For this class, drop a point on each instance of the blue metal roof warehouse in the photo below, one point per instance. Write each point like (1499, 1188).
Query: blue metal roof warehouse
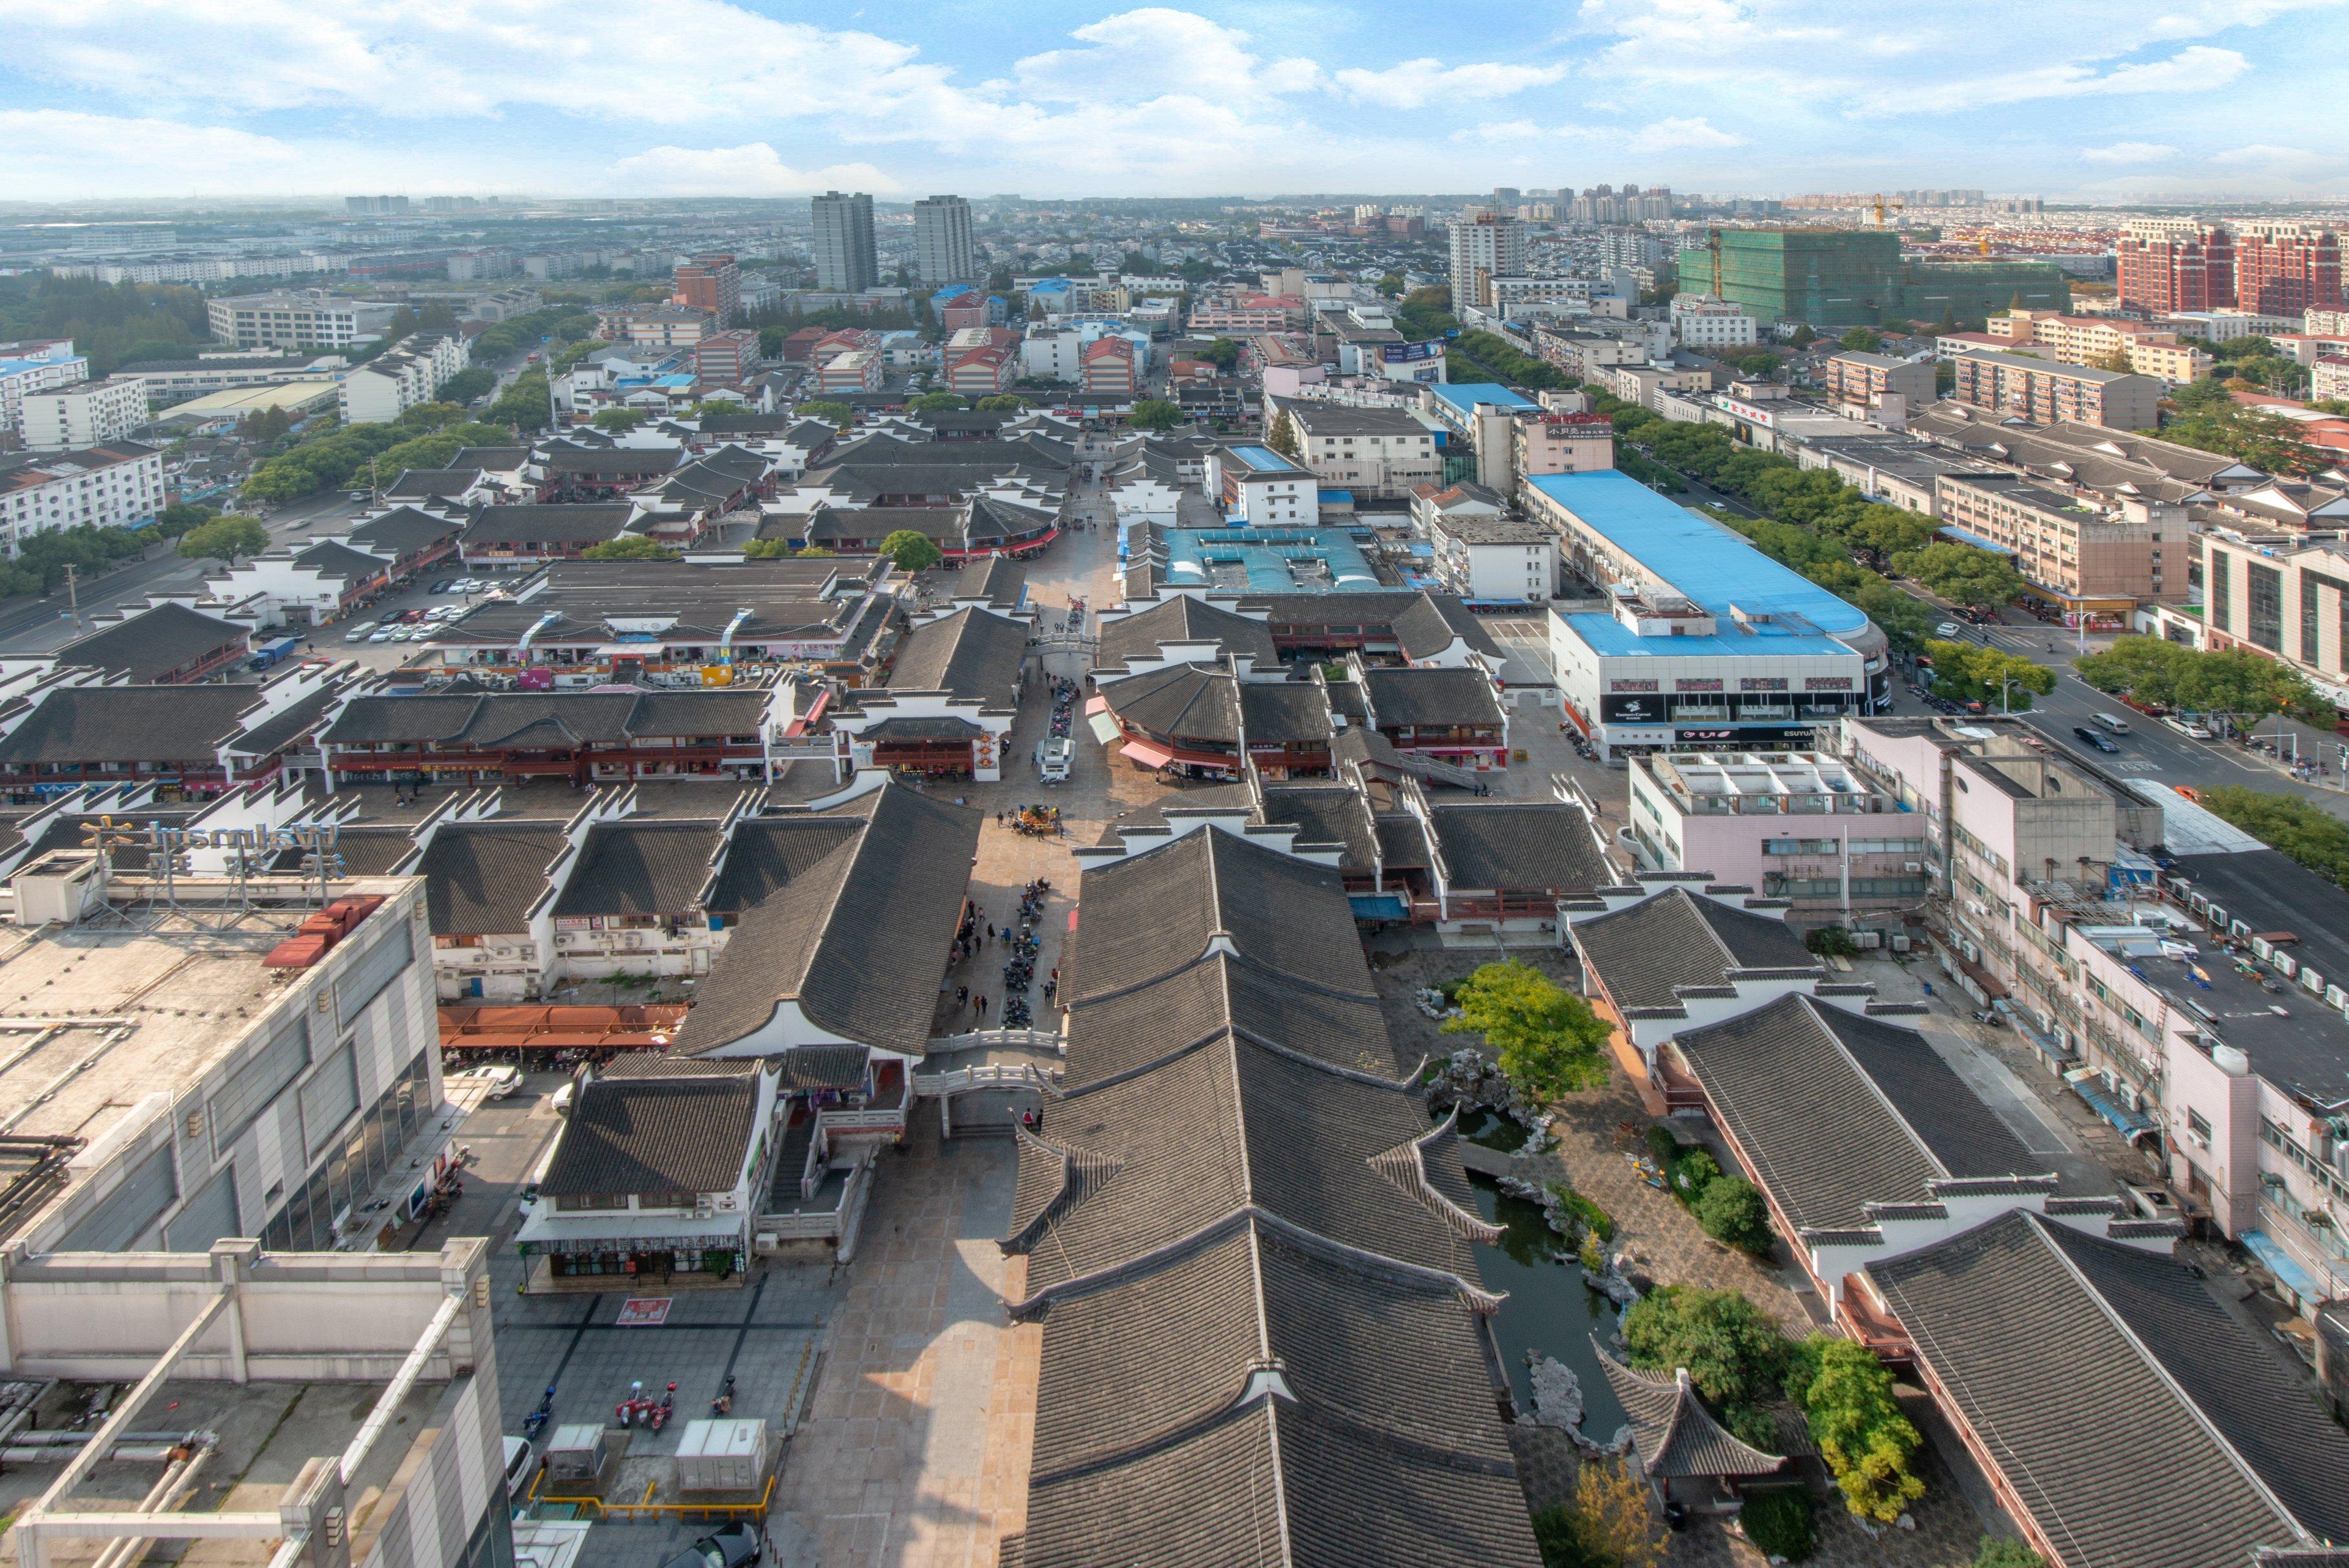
(1704, 562)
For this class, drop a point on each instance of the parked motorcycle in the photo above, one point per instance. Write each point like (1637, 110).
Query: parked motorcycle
(535, 1422)
(632, 1409)
(660, 1412)
(724, 1404)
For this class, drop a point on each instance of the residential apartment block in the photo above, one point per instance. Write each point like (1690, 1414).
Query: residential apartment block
(1378, 453)
(38, 364)
(1488, 558)
(844, 258)
(1700, 321)
(654, 326)
(1862, 381)
(2046, 391)
(2286, 268)
(2176, 264)
(400, 377)
(119, 486)
(711, 283)
(726, 358)
(308, 318)
(2078, 554)
(2095, 339)
(1484, 248)
(1112, 367)
(944, 251)
(83, 414)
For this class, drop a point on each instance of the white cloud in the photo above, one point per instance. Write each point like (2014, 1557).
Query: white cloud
(2195, 21)
(65, 154)
(2198, 68)
(754, 169)
(1666, 135)
(2268, 154)
(1506, 131)
(2129, 152)
(1414, 84)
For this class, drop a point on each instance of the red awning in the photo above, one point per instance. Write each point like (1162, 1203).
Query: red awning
(1148, 755)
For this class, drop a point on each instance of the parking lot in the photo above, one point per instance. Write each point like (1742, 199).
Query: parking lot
(379, 639)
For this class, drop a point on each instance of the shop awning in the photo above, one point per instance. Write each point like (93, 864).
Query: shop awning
(2131, 1125)
(1148, 755)
(1104, 726)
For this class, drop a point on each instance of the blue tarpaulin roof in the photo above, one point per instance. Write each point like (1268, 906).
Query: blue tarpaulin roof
(1377, 906)
(2282, 1265)
(1966, 537)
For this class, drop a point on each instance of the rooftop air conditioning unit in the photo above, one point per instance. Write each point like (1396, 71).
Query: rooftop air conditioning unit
(1913, 868)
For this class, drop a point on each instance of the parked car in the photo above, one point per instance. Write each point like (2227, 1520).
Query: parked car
(2192, 728)
(2092, 739)
(442, 586)
(381, 634)
(519, 1463)
(359, 634)
(498, 1080)
(728, 1546)
(1949, 630)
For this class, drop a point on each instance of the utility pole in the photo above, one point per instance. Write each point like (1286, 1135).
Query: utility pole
(73, 595)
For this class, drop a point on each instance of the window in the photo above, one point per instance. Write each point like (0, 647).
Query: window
(123, 1216)
(329, 1098)
(2263, 591)
(2218, 594)
(2198, 1124)
(261, 1078)
(210, 1215)
(2308, 620)
(375, 969)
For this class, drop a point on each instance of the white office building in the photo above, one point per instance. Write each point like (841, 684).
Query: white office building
(309, 319)
(943, 248)
(87, 413)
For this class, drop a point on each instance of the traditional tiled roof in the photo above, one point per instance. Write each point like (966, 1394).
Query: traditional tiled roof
(491, 720)
(640, 868)
(1262, 1333)
(482, 878)
(1186, 701)
(1836, 1111)
(1672, 1431)
(2138, 1422)
(1520, 846)
(848, 910)
(127, 724)
(1185, 619)
(972, 653)
(664, 1133)
(1641, 953)
(152, 643)
(1431, 697)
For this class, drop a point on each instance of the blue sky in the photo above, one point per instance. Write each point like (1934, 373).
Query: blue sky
(2084, 97)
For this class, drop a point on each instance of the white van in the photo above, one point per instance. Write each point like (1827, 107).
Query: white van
(2111, 725)
(1054, 758)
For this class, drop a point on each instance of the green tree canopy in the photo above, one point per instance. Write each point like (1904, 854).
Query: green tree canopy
(1545, 1038)
(1802, 336)
(1731, 1209)
(1962, 575)
(468, 384)
(2306, 832)
(617, 420)
(523, 403)
(1976, 672)
(1855, 1420)
(627, 547)
(936, 403)
(1733, 1349)
(182, 515)
(1222, 353)
(1155, 414)
(2005, 1552)
(829, 412)
(1001, 402)
(224, 539)
(1861, 340)
(911, 551)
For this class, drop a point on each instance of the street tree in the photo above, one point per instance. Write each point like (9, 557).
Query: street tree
(1962, 575)
(1976, 672)
(617, 422)
(829, 412)
(1155, 414)
(224, 539)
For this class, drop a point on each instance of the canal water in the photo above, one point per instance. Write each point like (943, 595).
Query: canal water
(1547, 1309)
